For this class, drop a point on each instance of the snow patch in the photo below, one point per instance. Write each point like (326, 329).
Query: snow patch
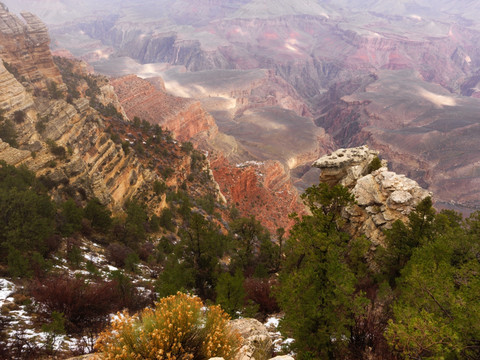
(250, 163)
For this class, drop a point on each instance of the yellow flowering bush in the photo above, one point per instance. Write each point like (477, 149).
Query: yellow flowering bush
(179, 327)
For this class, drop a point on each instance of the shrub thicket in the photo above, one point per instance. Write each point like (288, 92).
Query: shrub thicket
(178, 328)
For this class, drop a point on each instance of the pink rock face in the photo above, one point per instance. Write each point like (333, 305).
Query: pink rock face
(184, 117)
(262, 189)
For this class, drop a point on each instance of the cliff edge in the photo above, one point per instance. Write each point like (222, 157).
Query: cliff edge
(382, 196)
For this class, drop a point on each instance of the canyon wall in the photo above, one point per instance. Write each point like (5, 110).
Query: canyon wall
(25, 47)
(185, 118)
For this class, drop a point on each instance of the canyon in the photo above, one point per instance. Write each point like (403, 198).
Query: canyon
(291, 82)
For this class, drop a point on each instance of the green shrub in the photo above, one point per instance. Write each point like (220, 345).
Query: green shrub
(159, 187)
(375, 164)
(178, 328)
(19, 116)
(8, 133)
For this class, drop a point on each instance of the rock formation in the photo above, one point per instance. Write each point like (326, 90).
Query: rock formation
(257, 343)
(382, 197)
(262, 189)
(185, 118)
(13, 96)
(25, 47)
(67, 143)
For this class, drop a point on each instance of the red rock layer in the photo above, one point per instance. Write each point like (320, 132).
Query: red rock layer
(184, 117)
(260, 189)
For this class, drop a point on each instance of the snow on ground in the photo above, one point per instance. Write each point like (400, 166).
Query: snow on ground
(6, 289)
(280, 344)
(250, 163)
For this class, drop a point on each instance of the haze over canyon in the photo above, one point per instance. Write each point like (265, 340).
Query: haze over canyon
(289, 81)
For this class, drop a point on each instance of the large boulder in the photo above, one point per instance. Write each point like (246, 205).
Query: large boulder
(382, 196)
(257, 344)
(345, 166)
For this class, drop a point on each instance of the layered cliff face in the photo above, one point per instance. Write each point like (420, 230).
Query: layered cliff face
(77, 151)
(185, 118)
(382, 196)
(25, 47)
(13, 96)
(262, 189)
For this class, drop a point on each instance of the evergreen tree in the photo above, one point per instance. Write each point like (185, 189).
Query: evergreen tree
(317, 288)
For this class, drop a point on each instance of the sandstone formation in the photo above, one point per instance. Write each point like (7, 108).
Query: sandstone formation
(13, 95)
(257, 343)
(185, 118)
(67, 144)
(25, 47)
(382, 197)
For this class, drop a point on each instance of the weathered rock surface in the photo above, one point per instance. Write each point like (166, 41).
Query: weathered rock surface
(262, 189)
(257, 343)
(13, 95)
(25, 46)
(184, 117)
(345, 166)
(382, 197)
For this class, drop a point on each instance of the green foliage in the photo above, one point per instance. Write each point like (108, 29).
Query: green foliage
(19, 116)
(26, 215)
(201, 246)
(53, 329)
(375, 164)
(207, 203)
(317, 288)
(159, 187)
(187, 147)
(131, 262)
(126, 147)
(18, 264)
(230, 292)
(167, 172)
(166, 219)
(197, 161)
(99, 216)
(71, 218)
(136, 220)
(53, 90)
(56, 150)
(175, 277)
(74, 256)
(8, 133)
(403, 239)
(253, 249)
(136, 122)
(439, 303)
(40, 125)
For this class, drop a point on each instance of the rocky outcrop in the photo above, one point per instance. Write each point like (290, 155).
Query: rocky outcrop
(257, 343)
(25, 47)
(382, 197)
(345, 166)
(424, 131)
(13, 95)
(185, 118)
